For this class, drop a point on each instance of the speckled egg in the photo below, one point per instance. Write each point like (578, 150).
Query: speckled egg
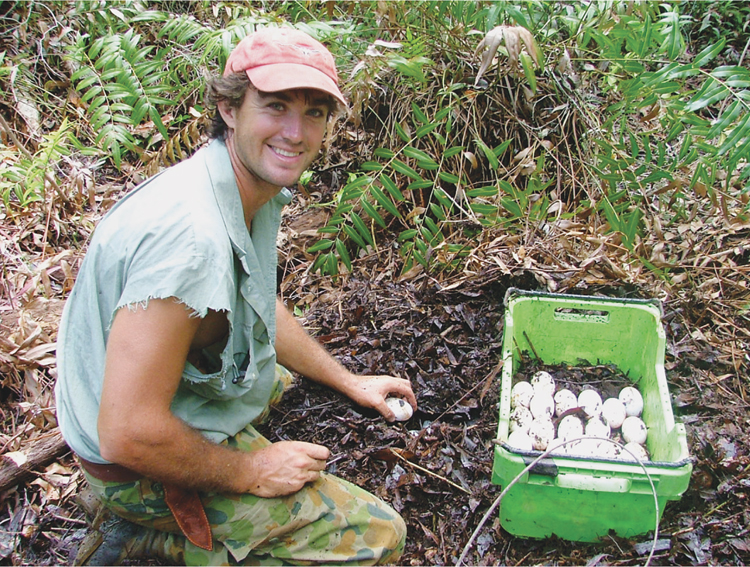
(542, 405)
(542, 382)
(520, 394)
(595, 427)
(564, 400)
(634, 430)
(542, 432)
(520, 441)
(632, 400)
(520, 419)
(613, 412)
(569, 427)
(591, 403)
(632, 449)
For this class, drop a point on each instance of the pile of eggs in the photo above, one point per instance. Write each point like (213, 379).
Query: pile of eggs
(534, 404)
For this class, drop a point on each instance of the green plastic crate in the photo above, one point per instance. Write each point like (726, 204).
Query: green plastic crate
(582, 499)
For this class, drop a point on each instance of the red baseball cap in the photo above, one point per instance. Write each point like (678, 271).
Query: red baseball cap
(278, 59)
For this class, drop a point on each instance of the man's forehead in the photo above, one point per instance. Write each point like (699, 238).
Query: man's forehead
(310, 96)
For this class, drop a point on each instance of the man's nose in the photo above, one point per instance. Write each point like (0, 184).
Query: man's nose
(293, 127)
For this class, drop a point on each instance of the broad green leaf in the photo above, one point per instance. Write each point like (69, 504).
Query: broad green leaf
(450, 152)
(528, 70)
(449, 177)
(343, 254)
(418, 154)
(404, 169)
(392, 188)
(407, 234)
(320, 245)
(352, 233)
(422, 131)
(739, 132)
(709, 53)
(384, 200)
(730, 114)
(712, 91)
(384, 153)
(489, 191)
(371, 166)
(372, 212)
(491, 157)
(361, 227)
(420, 116)
(401, 132)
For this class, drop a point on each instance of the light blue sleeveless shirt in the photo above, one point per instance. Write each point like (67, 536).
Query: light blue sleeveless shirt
(181, 234)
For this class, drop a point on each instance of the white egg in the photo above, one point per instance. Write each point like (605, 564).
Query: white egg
(632, 400)
(634, 430)
(608, 450)
(520, 419)
(557, 447)
(613, 412)
(564, 401)
(543, 382)
(634, 449)
(591, 403)
(520, 394)
(542, 432)
(595, 427)
(542, 404)
(584, 448)
(570, 427)
(400, 408)
(520, 440)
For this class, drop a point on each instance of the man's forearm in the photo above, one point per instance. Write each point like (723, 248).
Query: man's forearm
(298, 351)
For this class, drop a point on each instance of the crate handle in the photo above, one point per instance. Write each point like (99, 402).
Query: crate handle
(587, 482)
(581, 315)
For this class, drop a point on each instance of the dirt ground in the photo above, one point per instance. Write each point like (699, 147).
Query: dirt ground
(435, 469)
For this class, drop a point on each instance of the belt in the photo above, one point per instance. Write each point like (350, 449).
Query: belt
(184, 503)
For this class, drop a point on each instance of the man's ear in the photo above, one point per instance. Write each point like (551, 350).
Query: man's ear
(228, 113)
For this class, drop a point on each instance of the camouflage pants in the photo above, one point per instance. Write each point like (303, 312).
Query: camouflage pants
(330, 521)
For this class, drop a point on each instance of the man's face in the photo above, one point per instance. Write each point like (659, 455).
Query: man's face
(278, 135)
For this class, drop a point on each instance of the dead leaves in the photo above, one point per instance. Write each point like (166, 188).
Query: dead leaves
(514, 38)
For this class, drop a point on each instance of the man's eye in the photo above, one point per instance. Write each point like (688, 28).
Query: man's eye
(316, 112)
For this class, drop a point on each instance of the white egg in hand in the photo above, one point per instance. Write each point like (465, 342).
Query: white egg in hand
(400, 408)
(634, 430)
(632, 400)
(520, 394)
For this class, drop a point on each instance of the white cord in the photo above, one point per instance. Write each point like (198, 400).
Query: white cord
(539, 458)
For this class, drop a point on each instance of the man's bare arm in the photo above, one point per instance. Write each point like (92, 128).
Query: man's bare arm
(146, 354)
(298, 351)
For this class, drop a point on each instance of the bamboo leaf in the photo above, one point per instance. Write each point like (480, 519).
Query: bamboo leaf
(528, 70)
(420, 116)
(343, 254)
(392, 188)
(422, 131)
(352, 233)
(404, 169)
(491, 157)
(361, 227)
(320, 245)
(384, 201)
(709, 53)
(372, 212)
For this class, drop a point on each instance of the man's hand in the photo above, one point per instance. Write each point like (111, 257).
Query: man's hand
(371, 392)
(285, 467)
